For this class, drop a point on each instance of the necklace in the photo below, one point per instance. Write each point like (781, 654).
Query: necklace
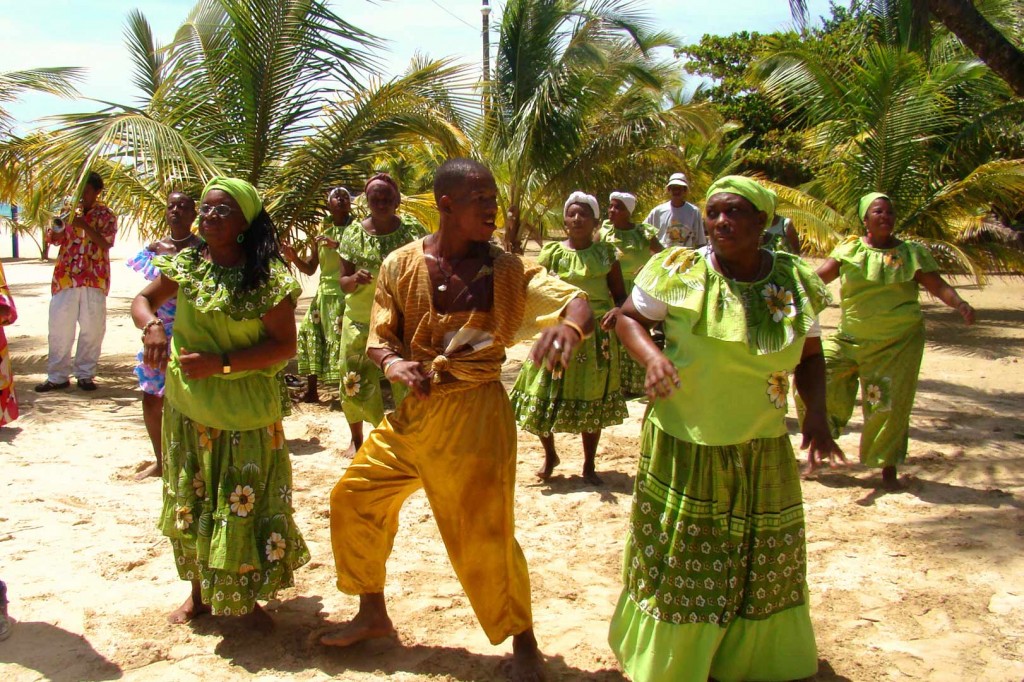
(443, 286)
(190, 237)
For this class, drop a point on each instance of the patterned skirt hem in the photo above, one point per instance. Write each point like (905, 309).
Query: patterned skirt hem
(543, 417)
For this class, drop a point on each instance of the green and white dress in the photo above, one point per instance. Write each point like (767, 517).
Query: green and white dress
(633, 250)
(227, 481)
(586, 397)
(715, 564)
(879, 345)
(361, 398)
(319, 337)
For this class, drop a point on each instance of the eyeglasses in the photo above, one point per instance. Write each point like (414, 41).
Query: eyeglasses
(220, 210)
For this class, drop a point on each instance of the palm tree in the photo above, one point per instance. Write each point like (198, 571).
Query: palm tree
(964, 19)
(273, 91)
(889, 121)
(576, 101)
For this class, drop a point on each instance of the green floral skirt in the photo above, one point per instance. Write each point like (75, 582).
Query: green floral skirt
(361, 396)
(227, 509)
(584, 398)
(715, 564)
(319, 338)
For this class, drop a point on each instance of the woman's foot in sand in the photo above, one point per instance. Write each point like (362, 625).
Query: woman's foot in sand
(154, 470)
(548, 468)
(310, 397)
(352, 449)
(591, 477)
(192, 608)
(372, 622)
(890, 479)
(258, 619)
(527, 663)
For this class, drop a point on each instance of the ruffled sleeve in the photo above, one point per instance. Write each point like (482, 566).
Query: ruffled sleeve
(546, 298)
(649, 231)
(768, 316)
(142, 263)
(885, 266)
(211, 287)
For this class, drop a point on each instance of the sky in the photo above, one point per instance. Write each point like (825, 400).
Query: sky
(88, 33)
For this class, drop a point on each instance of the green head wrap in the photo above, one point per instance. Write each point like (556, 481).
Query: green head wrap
(241, 191)
(865, 201)
(760, 196)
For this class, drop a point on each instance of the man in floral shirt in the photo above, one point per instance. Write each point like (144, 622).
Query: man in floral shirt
(81, 282)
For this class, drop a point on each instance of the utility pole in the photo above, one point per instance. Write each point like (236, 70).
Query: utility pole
(486, 34)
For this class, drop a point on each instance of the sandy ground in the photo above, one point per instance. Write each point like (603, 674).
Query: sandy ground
(927, 584)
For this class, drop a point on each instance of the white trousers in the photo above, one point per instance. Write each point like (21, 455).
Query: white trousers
(86, 308)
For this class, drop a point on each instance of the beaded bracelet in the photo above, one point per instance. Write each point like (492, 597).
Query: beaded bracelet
(152, 323)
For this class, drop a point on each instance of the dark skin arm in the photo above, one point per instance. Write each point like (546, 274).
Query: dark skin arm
(633, 330)
(279, 345)
(792, 238)
(306, 267)
(656, 246)
(829, 270)
(810, 384)
(352, 279)
(617, 287)
(944, 291)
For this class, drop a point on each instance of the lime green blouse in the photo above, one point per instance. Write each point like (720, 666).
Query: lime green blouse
(878, 289)
(214, 317)
(733, 344)
(367, 251)
(585, 269)
(330, 261)
(632, 247)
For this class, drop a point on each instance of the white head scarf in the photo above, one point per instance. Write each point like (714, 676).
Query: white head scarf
(627, 199)
(578, 197)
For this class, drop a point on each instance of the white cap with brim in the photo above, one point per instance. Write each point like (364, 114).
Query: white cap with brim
(678, 179)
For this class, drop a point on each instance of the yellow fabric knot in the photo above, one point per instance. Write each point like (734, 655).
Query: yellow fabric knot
(439, 365)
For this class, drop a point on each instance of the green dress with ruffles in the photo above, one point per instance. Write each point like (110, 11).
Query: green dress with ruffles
(878, 345)
(586, 396)
(319, 336)
(227, 479)
(361, 397)
(633, 250)
(715, 563)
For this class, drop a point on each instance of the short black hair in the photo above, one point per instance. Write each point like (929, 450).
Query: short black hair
(95, 181)
(183, 194)
(455, 171)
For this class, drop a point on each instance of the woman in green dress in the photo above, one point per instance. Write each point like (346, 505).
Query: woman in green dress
(781, 235)
(715, 565)
(227, 479)
(880, 340)
(319, 339)
(634, 244)
(362, 250)
(585, 397)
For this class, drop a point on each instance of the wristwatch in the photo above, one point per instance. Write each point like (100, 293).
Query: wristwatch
(225, 363)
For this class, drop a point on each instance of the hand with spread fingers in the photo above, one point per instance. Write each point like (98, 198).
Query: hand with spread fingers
(662, 378)
(820, 445)
(555, 346)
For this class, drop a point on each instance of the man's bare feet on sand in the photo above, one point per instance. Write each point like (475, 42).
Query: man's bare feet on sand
(544, 473)
(527, 665)
(361, 628)
(154, 470)
(351, 450)
(310, 397)
(187, 611)
(591, 477)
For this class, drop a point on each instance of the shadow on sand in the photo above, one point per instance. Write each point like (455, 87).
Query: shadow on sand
(55, 654)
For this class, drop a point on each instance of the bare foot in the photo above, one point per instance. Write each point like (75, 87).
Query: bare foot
(155, 470)
(259, 620)
(187, 612)
(544, 473)
(527, 664)
(361, 628)
(310, 397)
(890, 480)
(352, 449)
(592, 478)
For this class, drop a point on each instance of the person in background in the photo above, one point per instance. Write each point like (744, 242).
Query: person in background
(678, 222)
(319, 337)
(634, 244)
(879, 343)
(8, 315)
(180, 215)
(81, 282)
(5, 621)
(781, 235)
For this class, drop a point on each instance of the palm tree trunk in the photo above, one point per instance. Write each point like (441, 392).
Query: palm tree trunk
(981, 37)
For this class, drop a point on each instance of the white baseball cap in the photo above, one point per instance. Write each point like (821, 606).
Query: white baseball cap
(678, 179)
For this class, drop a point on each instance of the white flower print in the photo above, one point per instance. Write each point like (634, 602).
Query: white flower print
(351, 383)
(242, 500)
(779, 301)
(873, 394)
(275, 547)
(778, 389)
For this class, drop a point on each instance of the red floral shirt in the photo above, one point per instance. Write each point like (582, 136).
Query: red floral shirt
(80, 262)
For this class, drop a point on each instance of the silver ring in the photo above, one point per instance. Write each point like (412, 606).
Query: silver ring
(556, 344)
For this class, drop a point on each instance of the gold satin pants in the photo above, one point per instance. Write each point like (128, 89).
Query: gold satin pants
(460, 447)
